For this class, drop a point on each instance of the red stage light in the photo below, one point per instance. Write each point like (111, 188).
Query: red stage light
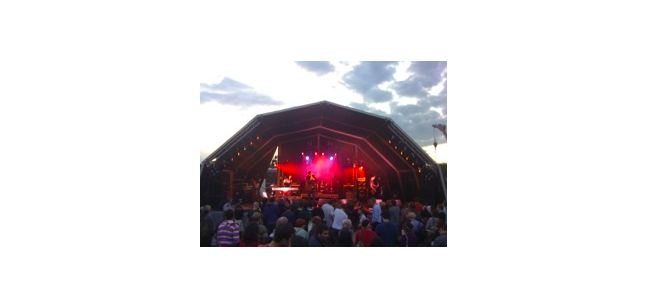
(302, 153)
(331, 158)
(315, 153)
(323, 154)
(361, 168)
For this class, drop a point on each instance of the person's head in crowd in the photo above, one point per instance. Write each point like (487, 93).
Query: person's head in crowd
(323, 233)
(411, 216)
(440, 207)
(283, 235)
(251, 234)
(239, 213)
(425, 213)
(385, 215)
(256, 218)
(443, 228)
(408, 227)
(256, 206)
(365, 224)
(282, 221)
(434, 212)
(301, 223)
(344, 239)
(316, 220)
(229, 214)
(347, 224)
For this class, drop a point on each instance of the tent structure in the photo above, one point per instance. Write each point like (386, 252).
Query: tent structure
(356, 139)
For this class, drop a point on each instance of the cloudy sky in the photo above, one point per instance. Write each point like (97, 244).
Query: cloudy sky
(413, 94)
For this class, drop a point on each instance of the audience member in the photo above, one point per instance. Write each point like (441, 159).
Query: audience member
(301, 238)
(263, 232)
(283, 235)
(395, 212)
(328, 211)
(339, 217)
(365, 235)
(442, 239)
(345, 237)
(250, 237)
(321, 239)
(271, 214)
(315, 221)
(376, 214)
(228, 232)
(387, 231)
(408, 236)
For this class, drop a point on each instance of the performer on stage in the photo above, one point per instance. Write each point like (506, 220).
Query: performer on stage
(310, 182)
(287, 181)
(375, 187)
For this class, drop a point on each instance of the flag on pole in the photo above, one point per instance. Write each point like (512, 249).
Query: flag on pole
(443, 128)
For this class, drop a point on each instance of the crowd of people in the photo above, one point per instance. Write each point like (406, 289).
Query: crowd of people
(325, 223)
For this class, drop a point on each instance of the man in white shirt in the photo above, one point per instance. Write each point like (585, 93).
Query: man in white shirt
(328, 211)
(337, 225)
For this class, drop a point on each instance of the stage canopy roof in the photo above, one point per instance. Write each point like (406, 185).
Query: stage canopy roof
(377, 141)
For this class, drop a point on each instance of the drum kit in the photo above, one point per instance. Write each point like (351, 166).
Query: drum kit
(323, 187)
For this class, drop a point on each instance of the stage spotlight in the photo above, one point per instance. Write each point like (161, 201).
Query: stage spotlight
(331, 158)
(315, 153)
(307, 157)
(302, 153)
(361, 168)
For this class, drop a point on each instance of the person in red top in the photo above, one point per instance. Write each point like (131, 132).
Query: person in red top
(418, 207)
(365, 235)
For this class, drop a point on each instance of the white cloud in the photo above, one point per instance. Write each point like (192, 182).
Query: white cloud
(402, 71)
(406, 100)
(292, 85)
(441, 155)
(383, 106)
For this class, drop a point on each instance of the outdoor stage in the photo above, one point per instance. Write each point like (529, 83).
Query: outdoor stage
(343, 148)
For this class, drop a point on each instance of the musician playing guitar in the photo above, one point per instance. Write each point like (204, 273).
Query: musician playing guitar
(375, 187)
